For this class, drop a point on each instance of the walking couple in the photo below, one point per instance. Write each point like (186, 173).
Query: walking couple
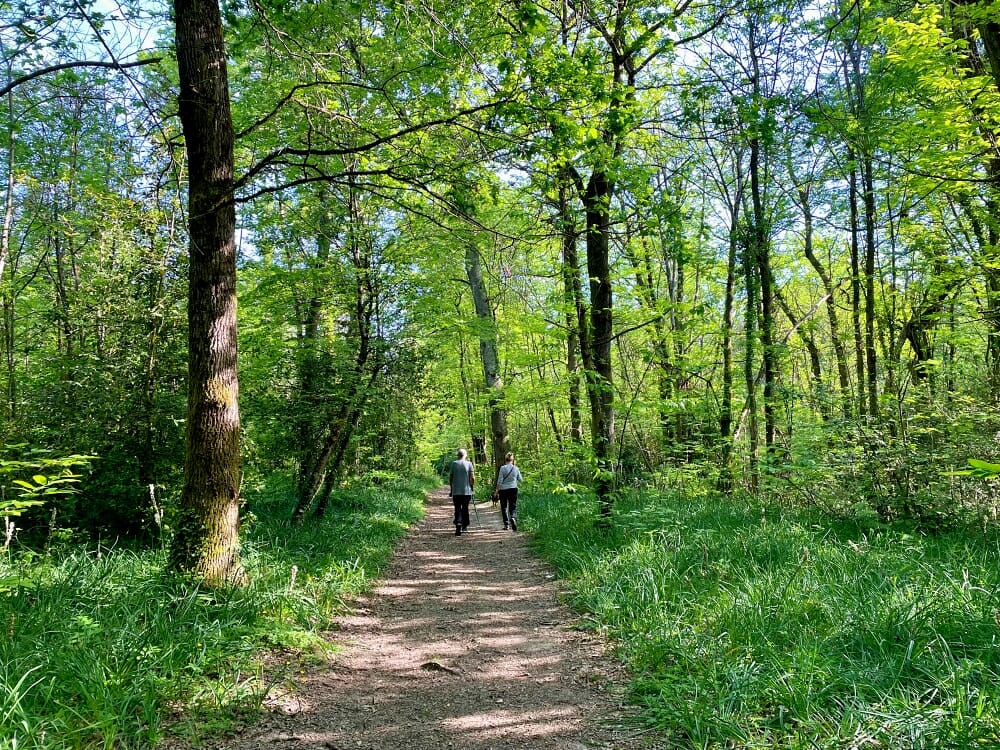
(462, 483)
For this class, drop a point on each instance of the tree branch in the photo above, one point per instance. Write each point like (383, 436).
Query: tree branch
(275, 156)
(76, 64)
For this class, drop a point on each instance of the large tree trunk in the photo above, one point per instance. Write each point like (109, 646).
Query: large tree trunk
(855, 230)
(500, 441)
(597, 202)
(762, 256)
(207, 540)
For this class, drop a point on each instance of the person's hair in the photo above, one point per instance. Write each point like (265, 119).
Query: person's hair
(509, 457)
(462, 453)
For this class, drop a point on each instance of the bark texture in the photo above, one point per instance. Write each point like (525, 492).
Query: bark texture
(597, 201)
(207, 540)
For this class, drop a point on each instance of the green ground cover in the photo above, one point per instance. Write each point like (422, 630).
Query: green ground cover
(101, 649)
(748, 628)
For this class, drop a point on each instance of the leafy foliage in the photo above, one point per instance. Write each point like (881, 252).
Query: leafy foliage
(35, 489)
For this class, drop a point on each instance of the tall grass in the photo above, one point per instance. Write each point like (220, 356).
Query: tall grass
(755, 629)
(100, 648)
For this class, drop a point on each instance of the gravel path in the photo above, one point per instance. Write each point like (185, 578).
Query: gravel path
(463, 646)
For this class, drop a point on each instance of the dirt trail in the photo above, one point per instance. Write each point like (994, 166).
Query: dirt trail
(463, 646)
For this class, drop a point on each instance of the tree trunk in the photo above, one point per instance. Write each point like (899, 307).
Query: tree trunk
(870, 355)
(146, 457)
(984, 58)
(843, 376)
(336, 450)
(478, 454)
(762, 257)
(597, 207)
(499, 439)
(207, 540)
(992, 317)
(749, 373)
(311, 357)
(645, 285)
(678, 382)
(868, 379)
(815, 361)
(573, 298)
(9, 337)
(855, 230)
(7, 291)
(726, 405)
(339, 429)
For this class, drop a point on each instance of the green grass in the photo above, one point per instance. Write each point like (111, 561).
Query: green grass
(104, 650)
(747, 629)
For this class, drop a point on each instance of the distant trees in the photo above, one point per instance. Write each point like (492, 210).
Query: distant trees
(767, 260)
(88, 275)
(589, 100)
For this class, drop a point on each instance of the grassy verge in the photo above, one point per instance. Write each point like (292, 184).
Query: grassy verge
(100, 649)
(754, 629)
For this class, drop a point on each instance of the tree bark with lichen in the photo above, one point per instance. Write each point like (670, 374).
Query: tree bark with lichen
(206, 543)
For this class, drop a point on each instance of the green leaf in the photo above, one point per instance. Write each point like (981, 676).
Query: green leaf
(981, 469)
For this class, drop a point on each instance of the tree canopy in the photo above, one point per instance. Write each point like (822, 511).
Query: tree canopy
(752, 244)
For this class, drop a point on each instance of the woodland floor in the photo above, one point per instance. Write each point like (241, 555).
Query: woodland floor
(464, 645)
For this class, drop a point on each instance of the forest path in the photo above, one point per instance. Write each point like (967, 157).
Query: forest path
(464, 645)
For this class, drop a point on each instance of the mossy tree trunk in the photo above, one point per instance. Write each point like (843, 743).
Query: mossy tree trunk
(207, 539)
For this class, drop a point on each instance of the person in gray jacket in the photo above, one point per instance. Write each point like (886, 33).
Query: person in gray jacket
(508, 477)
(461, 483)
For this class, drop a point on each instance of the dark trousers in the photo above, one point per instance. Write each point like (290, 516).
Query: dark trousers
(508, 505)
(461, 503)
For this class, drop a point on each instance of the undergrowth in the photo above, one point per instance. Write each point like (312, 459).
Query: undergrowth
(101, 649)
(746, 627)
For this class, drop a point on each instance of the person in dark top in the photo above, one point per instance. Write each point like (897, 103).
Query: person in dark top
(462, 483)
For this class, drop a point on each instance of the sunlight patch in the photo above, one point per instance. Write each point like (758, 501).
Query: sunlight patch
(553, 721)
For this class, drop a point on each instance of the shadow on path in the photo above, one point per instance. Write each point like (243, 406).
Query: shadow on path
(464, 645)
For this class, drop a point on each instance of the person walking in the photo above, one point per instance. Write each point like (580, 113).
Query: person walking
(461, 483)
(508, 477)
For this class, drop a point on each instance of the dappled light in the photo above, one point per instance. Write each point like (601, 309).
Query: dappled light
(722, 278)
(463, 645)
